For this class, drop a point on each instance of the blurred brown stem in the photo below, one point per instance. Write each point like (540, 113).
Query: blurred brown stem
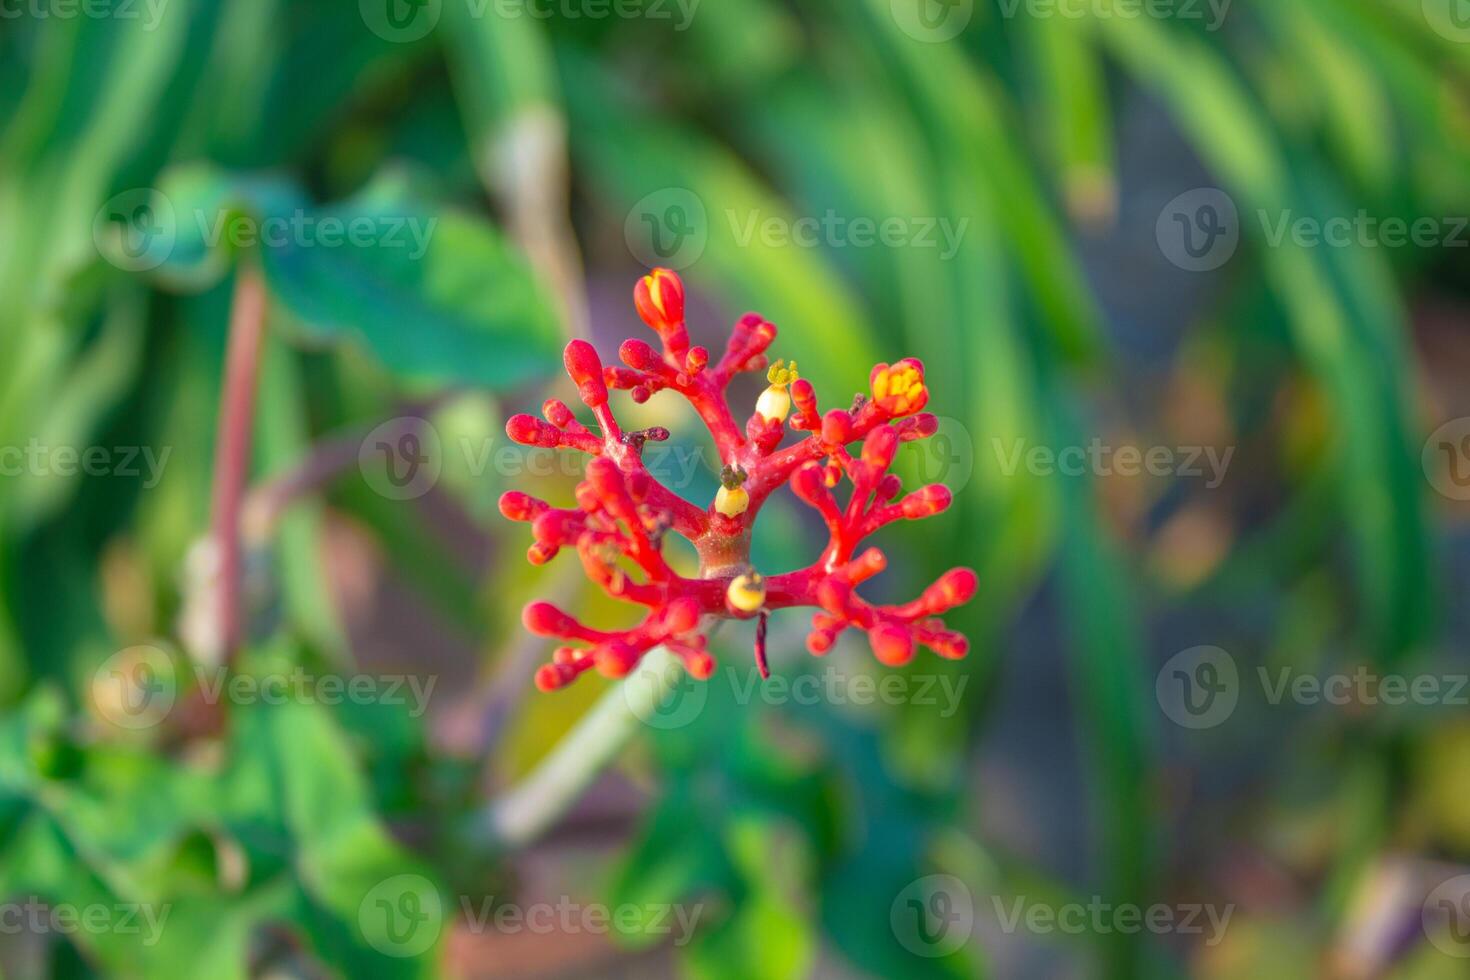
(232, 446)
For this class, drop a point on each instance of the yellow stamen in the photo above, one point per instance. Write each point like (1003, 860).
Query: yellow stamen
(774, 403)
(746, 593)
(732, 501)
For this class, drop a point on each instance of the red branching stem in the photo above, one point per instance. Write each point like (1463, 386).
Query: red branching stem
(232, 447)
(622, 511)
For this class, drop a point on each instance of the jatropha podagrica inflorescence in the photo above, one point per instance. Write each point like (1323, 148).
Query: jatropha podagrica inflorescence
(622, 512)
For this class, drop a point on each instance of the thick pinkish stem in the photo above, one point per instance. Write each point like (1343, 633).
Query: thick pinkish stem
(232, 446)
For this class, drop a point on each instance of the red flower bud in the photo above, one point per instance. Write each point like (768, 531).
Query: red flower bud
(879, 447)
(809, 483)
(585, 368)
(637, 354)
(528, 430)
(804, 398)
(544, 619)
(517, 506)
(681, 616)
(615, 659)
(954, 588)
(557, 413)
(551, 677)
(659, 297)
(837, 428)
(893, 645)
(926, 501)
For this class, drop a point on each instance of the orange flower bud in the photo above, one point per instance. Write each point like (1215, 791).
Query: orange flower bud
(899, 390)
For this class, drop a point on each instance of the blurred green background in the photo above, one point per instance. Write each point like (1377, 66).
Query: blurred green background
(1189, 280)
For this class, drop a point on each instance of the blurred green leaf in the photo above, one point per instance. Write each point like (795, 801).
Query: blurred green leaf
(434, 294)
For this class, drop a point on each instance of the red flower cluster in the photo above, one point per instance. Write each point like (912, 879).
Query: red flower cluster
(622, 512)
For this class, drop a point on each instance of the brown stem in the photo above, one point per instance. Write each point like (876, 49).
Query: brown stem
(232, 446)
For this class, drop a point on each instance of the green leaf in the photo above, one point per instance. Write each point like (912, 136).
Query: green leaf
(299, 804)
(433, 294)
